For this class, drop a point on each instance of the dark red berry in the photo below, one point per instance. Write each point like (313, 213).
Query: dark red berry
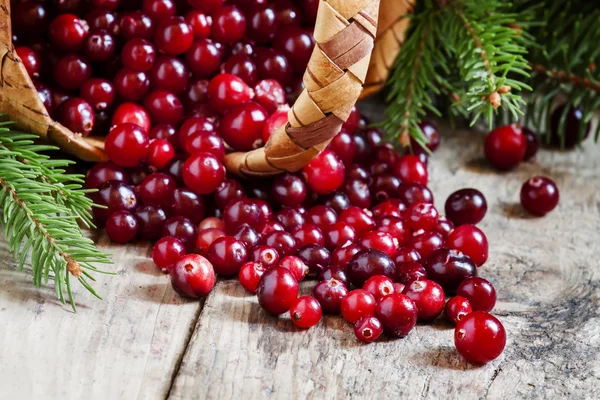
(379, 241)
(406, 254)
(397, 313)
(295, 265)
(227, 255)
(367, 263)
(333, 272)
(157, 189)
(428, 296)
(121, 226)
(410, 271)
(228, 25)
(368, 329)
(192, 276)
(325, 173)
(539, 195)
(396, 227)
(466, 206)
(532, 144)
(411, 170)
(247, 235)
(359, 219)
(67, 32)
(470, 240)
(203, 173)
(288, 190)
(250, 274)
(281, 241)
(411, 193)
(115, 196)
(449, 268)
(126, 145)
(316, 257)
(265, 255)
(457, 308)
(77, 115)
(330, 294)
(173, 36)
(426, 243)
(421, 216)
(573, 131)
(505, 146)
(480, 293)
(166, 252)
(104, 172)
(226, 91)
(342, 255)
(306, 312)
(431, 134)
(443, 226)
(241, 211)
(308, 234)
(277, 291)
(479, 337)
(206, 237)
(357, 304)
(183, 229)
(241, 127)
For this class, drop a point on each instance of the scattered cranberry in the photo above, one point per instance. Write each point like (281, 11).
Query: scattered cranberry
(449, 268)
(367, 263)
(227, 255)
(410, 169)
(281, 241)
(265, 255)
(183, 229)
(193, 276)
(426, 243)
(532, 144)
(397, 313)
(296, 266)
(470, 240)
(379, 286)
(206, 237)
(250, 274)
(325, 173)
(342, 255)
(408, 272)
(167, 251)
(466, 206)
(443, 226)
(121, 226)
(421, 216)
(479, 292)
(115, 196)
(104, 172)
(308, 234)
(157, 189)
(539, 195)
(277, 291)
(333, 272)
(330, 295)
(306, 312)
(357, 218)
(77, 115)
(247, 235)
(241, 127)
(206, 223)
(203, 173)
(428, 296)
(432, 137)
(479, 337)
(573, 131)
(505, 146)
(228, 24)
(457, 308)
(368, 329)
(381, 241)
(67, 32)
(357, 304)
(226, 91)
(151, 221)
(411, 193)
(131, 113)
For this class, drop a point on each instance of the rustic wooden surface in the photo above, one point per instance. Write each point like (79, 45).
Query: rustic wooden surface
(145, 342)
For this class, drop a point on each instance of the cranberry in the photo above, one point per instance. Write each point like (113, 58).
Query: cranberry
(192, 276)
(115, 196)
(158, 189)
(45, 95)
(479, 337)
(196, 92)
(457, 308)
(159, 9)
(426, 243)
(206, 237)
(250, 274)
(389, 208)
(505, 146)
(31, 61)
(397, 313)
(466, 206)
(103, 172)
(532, 144)
(573, 131)
(358, 192)
(99, 93)
(443, 226)
(406, 254)
(449, 268)
(321, 216)
(325, 173)
(137, 175)
(385, 186)
(339, 234)
(196, 125)
(121, 226)
(410, 169)
(133, 114)
(342, 255)
(30, 18)
(421, 216)
(358, 172)
(99, 46)
(136, 24)
(228, 24)
(126, 145)
(175, 168)
(281, 241)
(315, 256)
(432, 136)
(160, 152)
(269, 94)
(396, 227)
(479, 292)
(247, 235)
(173, 36)
(379, 241)
(363, 150)
(332, 272)
(265, 211)
(227, 255)
(344, 147)
(289, 218)
(306, 312)
(241, 127)
(241, 211)
(265, 255)
(411, 193)
(358, 219)
(539, 195)
(183, 229)
(77, 115)
(131, 85)
(166, 252)
(471, 241)
(164, 107)
(243, 66)
(199, 22)
(151, 221)
(367, 263)
(409, 272)
(428, 296)
(226, 91)
(278, 119)
(67, 32)
(296, 44)
(203, 173)
(102, 19)
(330, 295)
(71, 71)
(379, 286)
(170, 74)
(368, 329)
(296, 266)
(208, 6)
(352, 122)
(272, 64)
(138, 55)
(287, 13)
(210, 222)
(204, 58)
(338, 201)
(277, 291)
(106, 4)
(308, 234)
(357, 304)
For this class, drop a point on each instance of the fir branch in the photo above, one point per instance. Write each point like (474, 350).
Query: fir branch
(569, 78)
(42, 205)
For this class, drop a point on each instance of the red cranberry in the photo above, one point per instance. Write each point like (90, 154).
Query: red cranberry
(573, 131)
(159, 9)
(443, 226)
(358, 193)
(206, 237)
(131, 85)
(411, 193)
(296, 44)
(421, 216)
(106, 4)
(205, 142)
(132, 113)
(126, 145)
(325, 173)
(99, 93)
(272, 64)
(288, 190)
(193, 276)
(389, 208)
(71, 71)
(157, 189)
(160, 152)
(410, 169)
(183, 229)
(385, 186)
(226, 91)
(449, 268)
(103, 172)
(505, 146)
(195, 125)
(432, 137)
(227, 255)
(203, 173)
(277, 291)
(138, 55)
(367, 263)
(379, 286)
(330, 295)
(471, 241)
(345, 148)
(175, 168)
(368, 329)
(241, 211)
(396, 228)
(99, 46)
(342, 255)
(247, 235)
(45, 95)
(250, 274)
(31, 61)
(263, 23)
(136, 24)
(228, 25)
(308, 234)
(208, 6)
(77, 115)
(274, 122)
(115, 196)
(265, 255)
(479, 292)
(352, 122)
(426, 243)
(338, 201)
(339, 234)
(306, 312)
(358, 219)
(287, 13)
(199, 22)
(479, 337)
(166, 252)
(151, 221)
(408, 272)
(196, 92)
(241, 127)
(121, 226)
(357, 171)
(397, 313)
(170, 74)
(532, 144)
(316, 257)
(457, 308)
(204, 58)
(173, 36)
(210, 222)
(295, 265)
(406, 254)
(539, 195)
(281, 241)
(428, 296)
(357, 304)
(466, 206)
(332, 272)
(243, 66)
(102, 19)
(228, 191)
(269, 94)
(290, 218)
(164, 107)
(321, 216)
(30, 17)
(67, 32)
(379, 241)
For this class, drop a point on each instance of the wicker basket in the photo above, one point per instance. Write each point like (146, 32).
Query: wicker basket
(347, 58)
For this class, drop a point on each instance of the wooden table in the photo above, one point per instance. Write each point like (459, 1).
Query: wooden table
(145, 342)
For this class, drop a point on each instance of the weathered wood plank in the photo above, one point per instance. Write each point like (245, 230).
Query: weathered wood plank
(124, 347)
(546, 272)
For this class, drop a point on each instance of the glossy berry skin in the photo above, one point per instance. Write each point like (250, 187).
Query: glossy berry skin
(99, 46)
(131, 85)
(71, 71)
(479, 337)
(265, 255)
(138, 55)
(572, 127)
(357, 192)
(505, 146)
(471, 241)
(296, 44)
(228, 25)
(410, 169)
(479, 292)
(136, 25)
(67, 32)
(241, 127)
(31, 61)
(466, 206)
(157, 189)
(241, 211)
(367, 263)
(250, 274)
(443, 226)
(277, 291)
(409, 272)
(281, 241)
(368, 329)
(325, 173)
(306, 312)
(539, 195)
(132, 113)
(426, 243)
(338, 201)
(330, 295)
(308, 234)
(431, 133)
(115, 196)
(289, 218)
(205, 238)
(396, 227)
(103, 172)
(533, 144)
(151, 221)
(227, 255)
(332, 272)
(359, 219)
(456, 309)
(397, 313)
(247, 235)
(321, 216)
(421, 216)
(209, 222)
(274, 122)
(411, 193)
(204, 58)
(316, 257)
(203, 173)
(406, 254)
(199, 22)
(272, 64)
(269, 94)
(173, 36)
(167, 251)
(226, 91)
(449, 268)
(379, 286)
(183, 229)
(99, 93)
(295, 265)
(429, 298)
(288, 190)
(164, 107)
(77, 115)
(192, 276)
(160, 152)
(159, 9)
(243, 66)
(379, 241)
(126, 145)
(345, 148)
(170, 74)
(185, 203)
(121, 226)
(357, 304)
